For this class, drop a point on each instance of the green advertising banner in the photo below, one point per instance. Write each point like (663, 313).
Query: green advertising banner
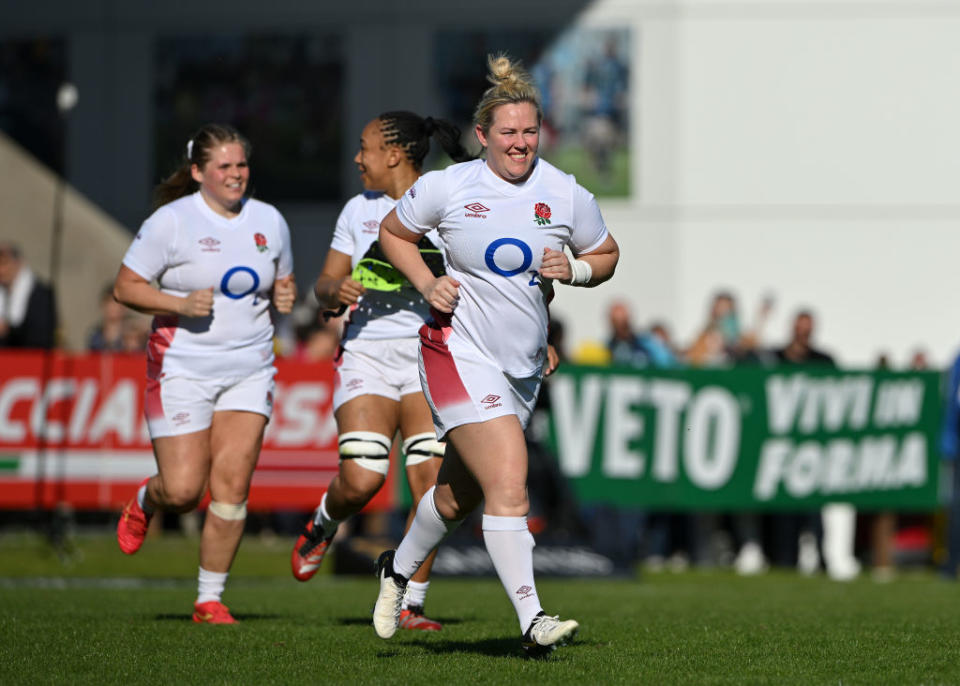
(747, 438)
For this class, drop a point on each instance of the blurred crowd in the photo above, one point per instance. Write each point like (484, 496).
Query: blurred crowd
(835, 539)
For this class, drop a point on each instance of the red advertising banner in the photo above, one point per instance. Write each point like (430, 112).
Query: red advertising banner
(72, 431)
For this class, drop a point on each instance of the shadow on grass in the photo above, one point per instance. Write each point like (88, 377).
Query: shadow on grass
(367, 621)
(490, 647)
(494, 647)
(238, 616)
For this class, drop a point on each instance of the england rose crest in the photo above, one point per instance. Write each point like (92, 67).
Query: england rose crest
(261, 241)
(541, 213)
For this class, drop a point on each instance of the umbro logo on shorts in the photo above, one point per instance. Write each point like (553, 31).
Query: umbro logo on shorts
(476, 209)
(180, 418)
(491, 401)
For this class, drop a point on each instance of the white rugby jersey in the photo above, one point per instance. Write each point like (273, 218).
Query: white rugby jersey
(186, 246)
(492, 234)
(377, 315)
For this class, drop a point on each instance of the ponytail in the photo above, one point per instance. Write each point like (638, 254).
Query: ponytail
(412, 134)
(197, 152)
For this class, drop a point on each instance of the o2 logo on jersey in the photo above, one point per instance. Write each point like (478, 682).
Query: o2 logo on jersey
(239, 282)
(526, 253)
(491, 256)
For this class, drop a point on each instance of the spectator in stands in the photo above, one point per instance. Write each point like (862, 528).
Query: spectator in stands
(659, 347)
(624, 343)
(838, 520)
(800, 350)
(317, 341)
(134, 334)
(28, 313)
(107, 335)
(919, 360)
(723, 340)
(646, 349)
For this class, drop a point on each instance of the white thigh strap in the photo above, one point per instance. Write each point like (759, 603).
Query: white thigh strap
(422, 447)
(364, 444)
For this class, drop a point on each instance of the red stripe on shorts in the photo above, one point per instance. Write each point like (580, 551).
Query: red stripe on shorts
(164, 329)
(443, 379)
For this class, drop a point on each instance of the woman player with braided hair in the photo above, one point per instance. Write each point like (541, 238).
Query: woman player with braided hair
(502, 224)
(377, 383)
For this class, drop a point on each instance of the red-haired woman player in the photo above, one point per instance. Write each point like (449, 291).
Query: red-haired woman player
(220, 260)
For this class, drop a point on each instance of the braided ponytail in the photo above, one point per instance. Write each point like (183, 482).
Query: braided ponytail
(412, 134)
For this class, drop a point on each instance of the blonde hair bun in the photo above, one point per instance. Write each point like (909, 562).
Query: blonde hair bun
(511, 84)
(503, 72)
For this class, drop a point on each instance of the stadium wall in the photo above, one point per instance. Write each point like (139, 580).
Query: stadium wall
(804, 149)
(809, 149)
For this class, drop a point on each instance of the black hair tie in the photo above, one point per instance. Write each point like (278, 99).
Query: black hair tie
(429, 126)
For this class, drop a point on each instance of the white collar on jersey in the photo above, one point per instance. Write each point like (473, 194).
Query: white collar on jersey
(219, 219)
(508, 188)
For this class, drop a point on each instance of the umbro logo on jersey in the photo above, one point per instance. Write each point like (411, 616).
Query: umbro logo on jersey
(476, 209)
(371, 225)
(491, 401)
(210, 244)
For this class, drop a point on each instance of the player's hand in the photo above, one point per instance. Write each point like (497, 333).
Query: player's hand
(443, 293)
(555, 265)
(349, 291)
(284, 294)
(553, 361)
(198, 303)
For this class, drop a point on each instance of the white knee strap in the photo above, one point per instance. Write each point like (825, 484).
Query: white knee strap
(227, 511)
(422, 447)
(367, 449)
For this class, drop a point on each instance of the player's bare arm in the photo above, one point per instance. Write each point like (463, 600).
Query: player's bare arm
(334, 286)
(138, 294)
(400, 246)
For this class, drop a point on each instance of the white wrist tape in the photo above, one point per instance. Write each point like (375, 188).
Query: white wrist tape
(580, 272)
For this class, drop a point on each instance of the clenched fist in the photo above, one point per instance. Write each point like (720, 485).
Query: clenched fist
(198, 303)
(443, 293)
(284, 294)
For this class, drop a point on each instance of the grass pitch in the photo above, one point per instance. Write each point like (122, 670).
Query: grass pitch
(99, 617)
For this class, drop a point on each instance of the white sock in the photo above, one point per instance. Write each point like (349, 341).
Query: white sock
(416, 594)
(510, 546)
(425, 534)
(142, 500)
(210, 585)
(323, 519)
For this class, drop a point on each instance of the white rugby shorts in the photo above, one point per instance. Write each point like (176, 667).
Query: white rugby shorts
(463, 386)
(386, 367)
(175, 405)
